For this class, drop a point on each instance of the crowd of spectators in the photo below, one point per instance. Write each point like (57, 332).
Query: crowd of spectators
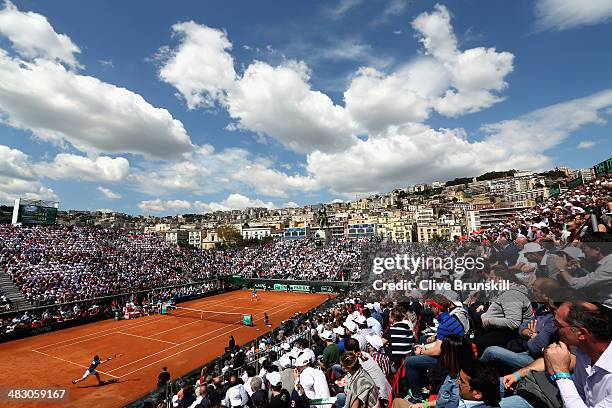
(419, 353)
(84, 311)
(63, 264)
(542, 340)
(307, 259)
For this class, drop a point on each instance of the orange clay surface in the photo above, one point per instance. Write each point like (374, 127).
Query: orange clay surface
(146, 344)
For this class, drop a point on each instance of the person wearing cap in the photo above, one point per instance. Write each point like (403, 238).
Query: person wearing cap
(372, 323)
(535, 253)
(362, 330)
(331, 353)
(308, 381)
(572, 256)
(597, 247)
(280, 396)
(373, 310)
(425, 357)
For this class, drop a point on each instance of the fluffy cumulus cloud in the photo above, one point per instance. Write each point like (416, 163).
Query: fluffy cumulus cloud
(18, 178)
(415, 153)
(200, 68)
(475, 74)
(562, 15)
(276, 101)
(207, 171)
(446, 79)
(163, 206)
(73, 167)
(109, 194)
(60, 106)
(377, 101)
(279, 102)
(32, 36)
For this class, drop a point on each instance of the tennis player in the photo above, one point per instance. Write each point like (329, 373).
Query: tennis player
(254, 295)
(92, 369)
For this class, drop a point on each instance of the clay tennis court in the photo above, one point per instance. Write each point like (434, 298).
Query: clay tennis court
(146, 344)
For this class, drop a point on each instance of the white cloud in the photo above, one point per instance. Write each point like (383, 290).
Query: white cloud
(336, 201)
(475, 74)
(206, 171)
(377, 101)
(73, 167)
(233, 202)
(32, 36)
(545, 128)
(353, 50)
(562, 15)
(106, 63)
(392, 9)
(343, 7)
(586, 144)
(19, 179)
(279, 102)
(291, 204)
(159, 206)
(416, 153)
(447, 80)
(111, 195)
(60, 106)
(200, 67)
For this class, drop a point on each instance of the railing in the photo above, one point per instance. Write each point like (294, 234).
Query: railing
(218, 363)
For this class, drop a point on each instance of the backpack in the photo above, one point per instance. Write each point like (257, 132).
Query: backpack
(539, 391)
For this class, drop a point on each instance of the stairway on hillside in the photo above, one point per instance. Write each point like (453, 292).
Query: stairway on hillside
(12, 292)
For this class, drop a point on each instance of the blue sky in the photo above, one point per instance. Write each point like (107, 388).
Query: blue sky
(168, 107)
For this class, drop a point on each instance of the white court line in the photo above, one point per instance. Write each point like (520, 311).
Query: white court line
(73, 363)
(187, 341)
(148, 338)
(180, 327)
(113, 330)
(189, 348)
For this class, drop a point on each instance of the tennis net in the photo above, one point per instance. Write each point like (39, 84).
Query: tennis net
(209, 315)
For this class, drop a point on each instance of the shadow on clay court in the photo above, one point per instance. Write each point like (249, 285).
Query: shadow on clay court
(101, 384)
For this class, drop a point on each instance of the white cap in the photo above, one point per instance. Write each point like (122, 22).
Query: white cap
(339, 331)
(302, 360)
(531, 247)
(274, 378)
(375, 341)
(175, 401)
(361, 319)
(574, 252)
(286, 346)
(356, 313)
(369, 306)
(284, 361)
(351, 326)
(327, 335)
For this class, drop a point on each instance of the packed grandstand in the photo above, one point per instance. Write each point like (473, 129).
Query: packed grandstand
(369, 348)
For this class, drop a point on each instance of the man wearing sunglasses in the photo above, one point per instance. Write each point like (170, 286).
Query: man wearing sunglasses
(584, 378)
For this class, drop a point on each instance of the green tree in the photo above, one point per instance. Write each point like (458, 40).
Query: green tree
(230, 235)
